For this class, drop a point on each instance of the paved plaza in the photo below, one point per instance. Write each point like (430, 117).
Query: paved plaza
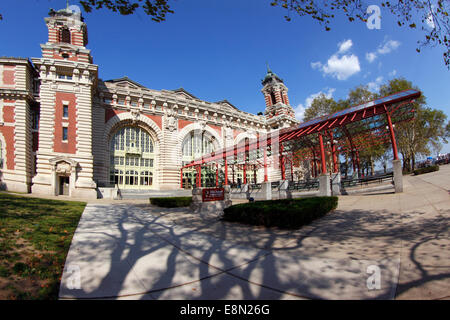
(378, 245)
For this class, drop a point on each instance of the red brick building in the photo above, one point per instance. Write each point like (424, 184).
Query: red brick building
(65, 131)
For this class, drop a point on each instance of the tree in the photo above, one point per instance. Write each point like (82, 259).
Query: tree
(427, 130)
(156, 9)
(431, 15)
(320, 106)
(360, 95)
(371, 153)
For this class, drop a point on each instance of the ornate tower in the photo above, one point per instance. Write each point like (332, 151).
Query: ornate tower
(279, 113)
(67, 37)
(68, 81)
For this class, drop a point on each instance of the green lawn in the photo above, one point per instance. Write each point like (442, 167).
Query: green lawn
(35, 236)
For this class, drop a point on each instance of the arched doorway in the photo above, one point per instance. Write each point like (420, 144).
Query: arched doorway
(195, 144)
(132, 158)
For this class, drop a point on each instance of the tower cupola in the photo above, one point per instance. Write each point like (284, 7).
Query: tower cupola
(276, 98)
(67, 36)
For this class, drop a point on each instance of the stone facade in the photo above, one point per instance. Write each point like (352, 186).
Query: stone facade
(65, 131)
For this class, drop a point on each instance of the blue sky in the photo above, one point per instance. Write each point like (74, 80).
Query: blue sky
(218, 50)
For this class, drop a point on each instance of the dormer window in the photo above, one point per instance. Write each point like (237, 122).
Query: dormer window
(65, 56)
(65, 35)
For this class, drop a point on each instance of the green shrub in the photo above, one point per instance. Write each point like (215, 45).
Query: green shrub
(426, 170)
(285, 213)
(172, 202)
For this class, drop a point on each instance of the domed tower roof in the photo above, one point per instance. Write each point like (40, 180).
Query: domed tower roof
(68, 11)
(271, 77)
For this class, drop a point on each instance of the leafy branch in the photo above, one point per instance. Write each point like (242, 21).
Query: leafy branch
(432, 15)
(157, 9)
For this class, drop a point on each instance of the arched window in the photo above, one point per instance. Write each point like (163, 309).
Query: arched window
(65, 35)
(197, 144)
(132, 158)
(272, 97)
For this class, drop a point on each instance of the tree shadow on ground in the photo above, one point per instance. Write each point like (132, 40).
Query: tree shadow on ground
(194, 257)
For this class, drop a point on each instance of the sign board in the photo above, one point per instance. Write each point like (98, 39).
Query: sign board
(215, 194)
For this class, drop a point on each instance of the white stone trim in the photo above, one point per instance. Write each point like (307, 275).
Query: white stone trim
(196, 126)
(3, 151)
(128, 116)
(242, 136)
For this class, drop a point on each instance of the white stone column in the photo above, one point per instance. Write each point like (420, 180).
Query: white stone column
(336, 184)
(266, 189)
(324, 185)
(284, 186)
(398, 175)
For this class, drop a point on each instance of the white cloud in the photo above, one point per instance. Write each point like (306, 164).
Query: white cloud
(316, 65)
(375, 85)
(371, 56)
(388, 47)
(300, 112)
(340, 65)
(345, 46)
(301, 108)
(393, 73)
(384, 48)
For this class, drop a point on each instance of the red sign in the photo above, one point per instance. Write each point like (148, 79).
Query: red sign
(216, 194)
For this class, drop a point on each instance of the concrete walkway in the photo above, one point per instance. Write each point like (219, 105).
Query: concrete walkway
(374, 246)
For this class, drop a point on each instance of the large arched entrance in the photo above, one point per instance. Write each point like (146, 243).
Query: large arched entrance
(195, 144)
(132, 158)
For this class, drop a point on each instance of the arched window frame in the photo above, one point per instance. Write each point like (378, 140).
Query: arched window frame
(132, 155)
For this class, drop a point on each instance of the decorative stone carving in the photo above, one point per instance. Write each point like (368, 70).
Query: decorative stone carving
(171, 123)
(135, 113)
(202, 124)
(63, 168)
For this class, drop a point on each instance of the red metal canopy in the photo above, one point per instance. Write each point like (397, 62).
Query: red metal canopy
(396, 107)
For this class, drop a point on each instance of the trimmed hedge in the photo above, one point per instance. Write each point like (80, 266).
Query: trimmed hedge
(171, 202)
(426, 170)
(285, 213)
